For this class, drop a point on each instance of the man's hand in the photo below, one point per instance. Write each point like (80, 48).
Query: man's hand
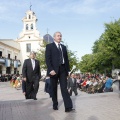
(69, 90)
(52, 72)
(24, 79)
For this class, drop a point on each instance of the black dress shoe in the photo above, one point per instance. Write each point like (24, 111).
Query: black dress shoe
(69, 110)
(55, 108)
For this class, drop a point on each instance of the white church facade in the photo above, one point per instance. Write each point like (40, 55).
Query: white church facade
(14, 52)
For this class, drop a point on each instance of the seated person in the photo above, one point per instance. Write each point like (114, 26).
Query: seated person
(100, 89)
(83, 85)
(108, 84)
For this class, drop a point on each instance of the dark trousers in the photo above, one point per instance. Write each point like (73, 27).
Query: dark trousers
(32, 89)
(62, 76)
(23, 86)
(108, 90)
(73, 89)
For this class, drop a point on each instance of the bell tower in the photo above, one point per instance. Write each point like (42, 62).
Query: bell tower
(29, 22)
(29, 31)
(29, 39)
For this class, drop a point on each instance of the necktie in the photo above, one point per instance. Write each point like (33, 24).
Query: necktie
(60, 55)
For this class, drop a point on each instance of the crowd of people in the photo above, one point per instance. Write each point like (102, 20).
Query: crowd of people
(14, 79)
(91, 83)
(5, 77)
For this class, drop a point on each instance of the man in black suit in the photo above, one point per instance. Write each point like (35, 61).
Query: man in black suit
(72, 84)
(31, 74)
(58, 68)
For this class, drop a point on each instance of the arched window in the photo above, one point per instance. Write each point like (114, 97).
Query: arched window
(29, 16)
(26, 26)
(31, 26)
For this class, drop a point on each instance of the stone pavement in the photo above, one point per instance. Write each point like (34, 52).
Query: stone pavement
(13, 106)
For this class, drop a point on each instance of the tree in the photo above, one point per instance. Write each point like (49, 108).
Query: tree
(41, 55)
(73, 60)
(106, 51)
(112, 37)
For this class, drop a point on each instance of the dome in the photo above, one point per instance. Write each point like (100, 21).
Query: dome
(48, 38)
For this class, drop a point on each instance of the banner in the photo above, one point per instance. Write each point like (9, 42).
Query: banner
(2, 60)
(7, 62)
(16, 64)
(19, 63)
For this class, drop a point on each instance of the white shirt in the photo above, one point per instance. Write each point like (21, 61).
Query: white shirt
(61, 50)
(78, 80)
(95, 83)
(33, 63)
(73, 80)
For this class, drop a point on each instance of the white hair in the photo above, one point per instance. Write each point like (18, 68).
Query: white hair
(56, 33)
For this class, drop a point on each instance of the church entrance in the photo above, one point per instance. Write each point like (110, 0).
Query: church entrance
(15, 70)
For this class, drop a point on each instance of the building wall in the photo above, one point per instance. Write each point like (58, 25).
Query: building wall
(18, 47)
(35, 45)
(6, 48)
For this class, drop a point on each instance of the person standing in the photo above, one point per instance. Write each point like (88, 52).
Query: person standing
(72, 85)
(31, 74)
(57, 68)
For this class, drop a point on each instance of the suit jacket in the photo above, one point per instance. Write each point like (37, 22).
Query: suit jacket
(71, 83)
(28, 71)
(52, 58)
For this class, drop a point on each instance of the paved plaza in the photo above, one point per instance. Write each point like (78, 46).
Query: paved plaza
(13, 106)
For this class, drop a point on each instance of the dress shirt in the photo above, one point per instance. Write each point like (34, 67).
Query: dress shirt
(73, 80)
(61, 50)
(33, 63)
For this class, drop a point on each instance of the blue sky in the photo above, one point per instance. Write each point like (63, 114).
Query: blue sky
(81, 22)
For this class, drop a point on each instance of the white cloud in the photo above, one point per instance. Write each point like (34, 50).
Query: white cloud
(83, 7)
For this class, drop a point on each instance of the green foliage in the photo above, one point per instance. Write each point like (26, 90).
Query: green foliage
(106, 51)
(112, 37)
(41, 56)
(73, 60)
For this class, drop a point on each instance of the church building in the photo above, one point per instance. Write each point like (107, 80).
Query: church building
(14, 52)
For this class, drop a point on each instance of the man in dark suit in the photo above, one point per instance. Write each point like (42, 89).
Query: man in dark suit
(58, 68)
(72, 84)
(31, 74)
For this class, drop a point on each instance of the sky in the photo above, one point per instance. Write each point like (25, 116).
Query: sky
(81, 22)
